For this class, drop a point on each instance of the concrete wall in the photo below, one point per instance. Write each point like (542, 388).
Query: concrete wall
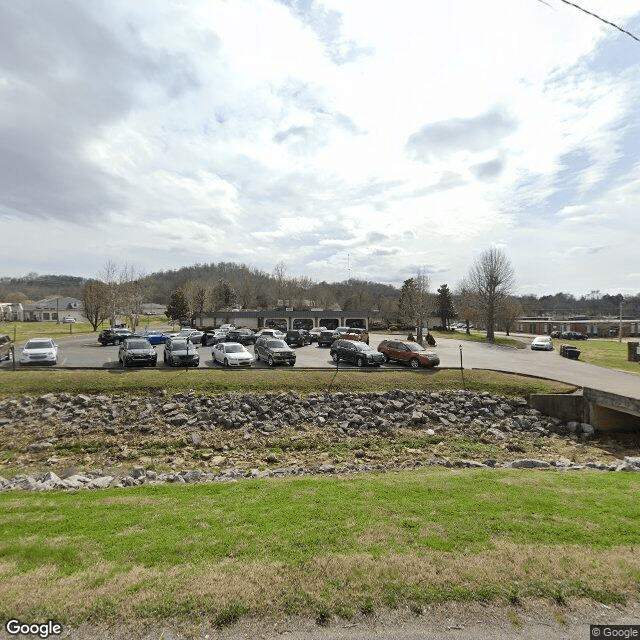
(567, 407)
(602, 410)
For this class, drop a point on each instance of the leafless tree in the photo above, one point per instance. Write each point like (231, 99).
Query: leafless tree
(95, 300)
(111, 276)
(491, 279)
(415, 302)
(467, 305)
(511, 310)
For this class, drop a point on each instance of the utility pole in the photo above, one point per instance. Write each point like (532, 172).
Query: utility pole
(620, 324)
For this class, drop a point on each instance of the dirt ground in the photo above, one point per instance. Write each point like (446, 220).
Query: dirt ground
(454, 621)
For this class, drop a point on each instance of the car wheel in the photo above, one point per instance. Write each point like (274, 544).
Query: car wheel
(270, 361)
(360, 362)
(386, 358)
(414, 363)
(334, 356)
(291, 363)
(116, 341)
(226, 362)
(257, 355)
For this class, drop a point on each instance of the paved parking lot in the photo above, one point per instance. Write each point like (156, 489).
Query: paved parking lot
(84, 351)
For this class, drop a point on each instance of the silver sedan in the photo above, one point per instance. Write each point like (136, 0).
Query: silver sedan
(232, 354)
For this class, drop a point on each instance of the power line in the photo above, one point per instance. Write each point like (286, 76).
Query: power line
(597, 17)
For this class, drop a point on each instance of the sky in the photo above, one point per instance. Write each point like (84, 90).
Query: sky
(346, 138)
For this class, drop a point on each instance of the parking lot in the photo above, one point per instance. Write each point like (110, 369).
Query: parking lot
(84, 351)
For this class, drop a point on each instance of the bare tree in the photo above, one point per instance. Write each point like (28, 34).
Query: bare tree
(134, 289)
(111, 277)
(491, 279)
(511, 310)
(467, 303)
(414, 302)
(95, 300)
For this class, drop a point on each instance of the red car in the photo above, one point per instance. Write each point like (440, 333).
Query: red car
(411, 352)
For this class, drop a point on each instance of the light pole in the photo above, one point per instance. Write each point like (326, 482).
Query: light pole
(620, 324)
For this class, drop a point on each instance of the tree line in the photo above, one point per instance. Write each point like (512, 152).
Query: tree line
(484, 297)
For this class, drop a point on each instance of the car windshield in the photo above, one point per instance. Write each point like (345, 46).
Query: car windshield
(234, 348)
(39, 344)
(363, 346)
(414, 346)
(179, 344)
(137, 344)
(277, 344)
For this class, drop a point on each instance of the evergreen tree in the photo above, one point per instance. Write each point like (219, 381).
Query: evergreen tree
(178, 308)
(446, 310)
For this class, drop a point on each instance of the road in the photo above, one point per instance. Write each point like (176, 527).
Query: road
(85, 352)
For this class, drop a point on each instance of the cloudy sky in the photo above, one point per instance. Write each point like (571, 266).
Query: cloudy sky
(344, 137)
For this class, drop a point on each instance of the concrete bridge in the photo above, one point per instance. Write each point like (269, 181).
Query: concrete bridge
(603, 410)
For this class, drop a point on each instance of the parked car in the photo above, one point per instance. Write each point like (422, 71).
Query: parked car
(359, 353)
(556, 334)
(68, 319)
(407, 351)
(181, 352)
(274, 351)
(326, 338)
(155, 336)
(542, 343)
(355, 334)
(113, 336)
(209, 338)
(243, 336)
(39, 351)
(6, 347)
(315, 333)
(573, 335)
(137, 352)
(232, 354)
(193, 334)
(297, 338)
(272, 333)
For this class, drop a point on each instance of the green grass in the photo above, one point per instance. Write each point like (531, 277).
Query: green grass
(260, 381)
(604, 353)
(478, 336)
(319, 545)
(20, 332)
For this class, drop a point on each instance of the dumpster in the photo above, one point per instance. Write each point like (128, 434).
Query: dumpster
(569, 351)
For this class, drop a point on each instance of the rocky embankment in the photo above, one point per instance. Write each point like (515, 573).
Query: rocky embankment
(65, 441)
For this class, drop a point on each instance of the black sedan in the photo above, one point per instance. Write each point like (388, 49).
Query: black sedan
(274, 351)
(360, 353)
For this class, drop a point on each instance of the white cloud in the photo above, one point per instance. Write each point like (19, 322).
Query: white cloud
(405, 133)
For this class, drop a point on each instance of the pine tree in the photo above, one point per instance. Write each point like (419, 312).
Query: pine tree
(446, 310)
(178, 308)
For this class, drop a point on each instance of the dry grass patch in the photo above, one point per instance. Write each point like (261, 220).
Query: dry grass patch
(507, 573)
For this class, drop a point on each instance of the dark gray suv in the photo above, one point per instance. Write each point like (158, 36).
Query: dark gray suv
(181, 352)
(137, 352)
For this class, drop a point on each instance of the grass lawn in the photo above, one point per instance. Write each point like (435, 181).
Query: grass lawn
(319, 545)
(267, 380)
(604, 353)
(479, 336)
(20, 332)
